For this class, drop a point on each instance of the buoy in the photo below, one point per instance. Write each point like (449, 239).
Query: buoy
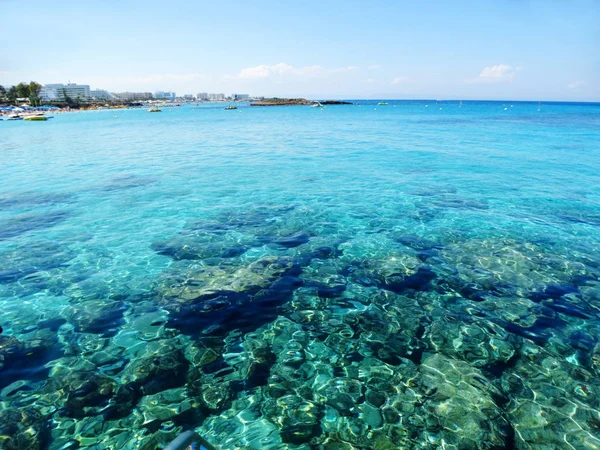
(374, 109)
(505, 109)
(440, 109)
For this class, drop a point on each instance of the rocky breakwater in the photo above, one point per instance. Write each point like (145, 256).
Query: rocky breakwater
(335, 102)
(281, 102)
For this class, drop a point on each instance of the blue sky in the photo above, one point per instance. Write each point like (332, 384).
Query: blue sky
(480, 49)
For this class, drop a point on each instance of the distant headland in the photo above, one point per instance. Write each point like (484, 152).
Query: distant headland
(295, 101)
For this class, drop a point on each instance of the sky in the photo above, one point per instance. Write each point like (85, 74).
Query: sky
(479, 49)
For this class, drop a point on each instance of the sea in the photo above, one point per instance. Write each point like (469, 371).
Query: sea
(412, 274)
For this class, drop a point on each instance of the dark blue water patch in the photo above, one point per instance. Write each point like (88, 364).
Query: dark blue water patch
(590, 219)
(26, 223)
(417, 242)
(292, 241)
(398, 283)
(424, 214)
(538, 332)
(227, 311)
(12, 275)
(565, 307)
(53, 324)
(105, 322)
(36, 257)
(27, 360)
(323, 290)
(582, 341)
(553, 291)
(127, 182)
(432, 191)
(475, 292)
(459, 203)
(191, 249)
(34, 199)
(248, 219)
(537, 335)
(219, 312)
(326, 253)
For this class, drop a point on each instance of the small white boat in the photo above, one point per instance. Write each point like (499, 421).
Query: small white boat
(317, 105)
(154, 109)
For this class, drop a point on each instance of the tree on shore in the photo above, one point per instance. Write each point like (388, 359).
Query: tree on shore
(34, 93)
(29, 90)
(22, 90)
(70, 102)
(11, 95)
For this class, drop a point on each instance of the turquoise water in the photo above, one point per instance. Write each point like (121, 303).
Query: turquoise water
(416, 275)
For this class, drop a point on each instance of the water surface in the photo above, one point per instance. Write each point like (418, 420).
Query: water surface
(416, 275)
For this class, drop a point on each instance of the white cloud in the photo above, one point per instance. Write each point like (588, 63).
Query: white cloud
(500, 72)
(283, 69)
(576, 84)
(342, 69)
(369, 80)
(374, 66)
(264, 71)
(400, 80)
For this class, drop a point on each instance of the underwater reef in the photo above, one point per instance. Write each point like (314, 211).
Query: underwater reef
(274, 327)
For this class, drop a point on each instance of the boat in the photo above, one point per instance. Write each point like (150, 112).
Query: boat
(382, 103)
(154, 109)
(15, 117)
(231, 107)
(36, 117)
(317, 105)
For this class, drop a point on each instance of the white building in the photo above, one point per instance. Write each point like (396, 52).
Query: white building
(216, 97)
(72, 90)
(162, 95)
(202, 96)
(100, 94)
(127, 96)
(49, 93)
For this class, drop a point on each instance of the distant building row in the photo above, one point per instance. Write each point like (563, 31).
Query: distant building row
(60, 92)
(206, 97)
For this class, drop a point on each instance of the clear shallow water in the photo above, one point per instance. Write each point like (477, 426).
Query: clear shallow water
(361, 276)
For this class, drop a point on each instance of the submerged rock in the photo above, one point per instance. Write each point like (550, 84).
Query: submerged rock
(96, 316)
(164, 366)
(216, 299)
(24, 428)
(461, 406)
(201, 246)
(287, 241)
